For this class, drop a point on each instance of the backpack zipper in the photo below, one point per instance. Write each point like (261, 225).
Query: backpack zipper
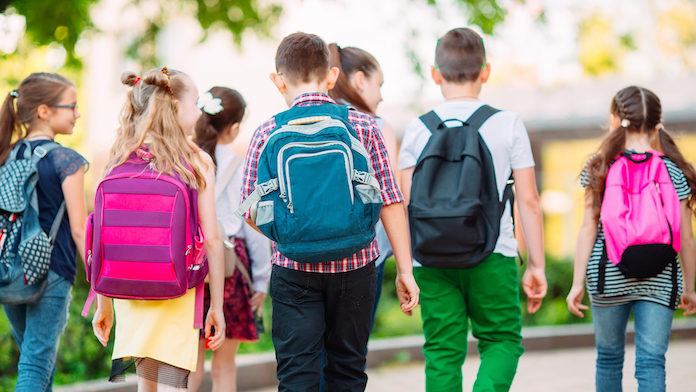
(283, 194)
(347, 165)
(312, 130)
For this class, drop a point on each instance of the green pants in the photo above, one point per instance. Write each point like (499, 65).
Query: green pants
(488, 296)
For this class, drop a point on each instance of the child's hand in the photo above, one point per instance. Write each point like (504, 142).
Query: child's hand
(102, 322)
(574, 300)
(535, 286)
(407, 290)
(215, 319)
(688, 303)
(256, 302)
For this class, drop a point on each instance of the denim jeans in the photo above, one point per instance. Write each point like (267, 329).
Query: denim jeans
(36, 328)
(314, 312)
(653, 324)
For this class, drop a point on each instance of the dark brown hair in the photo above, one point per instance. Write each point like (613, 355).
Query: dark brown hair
(640, 110)
(210, 126)
(302, 58)
(460, 55)
(36, 90)
(350, 61)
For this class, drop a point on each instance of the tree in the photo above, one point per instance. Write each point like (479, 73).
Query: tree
(63, 22)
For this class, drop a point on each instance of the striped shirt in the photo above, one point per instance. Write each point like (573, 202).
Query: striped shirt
(617, 288)
(370, 136)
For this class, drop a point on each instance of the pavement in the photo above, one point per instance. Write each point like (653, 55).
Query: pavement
(566, 370)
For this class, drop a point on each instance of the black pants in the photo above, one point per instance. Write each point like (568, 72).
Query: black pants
(314, 312)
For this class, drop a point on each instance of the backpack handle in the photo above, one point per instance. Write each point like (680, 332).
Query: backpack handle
(308, 120)
(629, 156)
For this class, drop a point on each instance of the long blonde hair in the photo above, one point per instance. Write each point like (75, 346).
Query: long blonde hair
(150, 114)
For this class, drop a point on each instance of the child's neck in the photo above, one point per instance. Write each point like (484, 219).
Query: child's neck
(294, 91)
(637, 141)
(468, 91)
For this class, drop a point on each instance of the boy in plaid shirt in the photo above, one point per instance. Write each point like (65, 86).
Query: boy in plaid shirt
(328, 305)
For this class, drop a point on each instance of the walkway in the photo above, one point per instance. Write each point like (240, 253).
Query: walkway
(567, 370)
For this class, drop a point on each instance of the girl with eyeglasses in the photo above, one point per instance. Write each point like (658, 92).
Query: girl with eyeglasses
(43, 106)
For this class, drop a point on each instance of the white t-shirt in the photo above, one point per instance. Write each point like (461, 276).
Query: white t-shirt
(506, 138)
(258, 246)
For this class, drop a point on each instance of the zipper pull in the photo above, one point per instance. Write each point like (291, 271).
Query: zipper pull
(283, 197)
(290, 207)
(188, 250)
(89, 258)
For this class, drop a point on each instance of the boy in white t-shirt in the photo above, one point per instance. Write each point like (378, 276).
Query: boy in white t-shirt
(487, 294)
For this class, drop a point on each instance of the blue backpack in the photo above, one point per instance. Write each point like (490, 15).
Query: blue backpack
(25, 249)
(317, 195)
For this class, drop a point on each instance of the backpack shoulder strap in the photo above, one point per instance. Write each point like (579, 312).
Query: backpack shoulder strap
(42, 151)
(227, 175)
(480, 116)
(431, 120)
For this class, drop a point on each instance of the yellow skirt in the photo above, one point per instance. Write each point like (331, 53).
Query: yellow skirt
(158, 329)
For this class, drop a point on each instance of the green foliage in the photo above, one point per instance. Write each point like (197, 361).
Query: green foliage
(238, 15)
(50, 21)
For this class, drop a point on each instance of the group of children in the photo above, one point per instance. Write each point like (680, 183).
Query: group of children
(324, 309)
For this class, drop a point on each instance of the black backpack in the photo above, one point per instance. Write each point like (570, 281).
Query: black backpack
(455, 212)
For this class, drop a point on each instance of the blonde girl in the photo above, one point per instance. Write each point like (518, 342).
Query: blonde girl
(159, 114)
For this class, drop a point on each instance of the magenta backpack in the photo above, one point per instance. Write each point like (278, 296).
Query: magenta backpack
(641, 216)
(144, 240)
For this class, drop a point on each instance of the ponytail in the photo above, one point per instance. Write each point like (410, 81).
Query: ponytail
(9, 126)
(598, 166)
(671, 151)
(206, 136)
(350, 61)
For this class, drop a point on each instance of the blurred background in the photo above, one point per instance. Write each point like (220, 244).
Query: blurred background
(557, 63)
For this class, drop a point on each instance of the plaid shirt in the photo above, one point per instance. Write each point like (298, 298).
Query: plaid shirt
(371, 137)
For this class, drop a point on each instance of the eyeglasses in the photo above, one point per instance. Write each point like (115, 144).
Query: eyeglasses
(73, 107)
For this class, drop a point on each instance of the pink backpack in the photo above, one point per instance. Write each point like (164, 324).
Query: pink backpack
(641, 216)
(144, 240)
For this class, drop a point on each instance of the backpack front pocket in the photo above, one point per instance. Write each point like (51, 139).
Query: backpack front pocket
(444, 234)
(89, 228)
(319, 193)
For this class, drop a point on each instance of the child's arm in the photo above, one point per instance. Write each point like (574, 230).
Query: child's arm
(587, 235)
(395, 225)
(688, 260)
(534, 278)
(73, 187)
(214, 252)
(103, 319)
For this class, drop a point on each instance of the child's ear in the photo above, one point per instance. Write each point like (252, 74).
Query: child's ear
(332, 77)
(279, 82)
(44, 112)
(234, 130)
(357, 81)
(437, 76)
(485, 73)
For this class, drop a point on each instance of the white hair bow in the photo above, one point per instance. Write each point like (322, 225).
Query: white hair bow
(209, 104)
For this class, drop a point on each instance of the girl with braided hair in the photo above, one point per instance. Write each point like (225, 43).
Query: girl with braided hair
(635, 128)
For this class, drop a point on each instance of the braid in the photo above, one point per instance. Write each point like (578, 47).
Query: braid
(623, 112)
